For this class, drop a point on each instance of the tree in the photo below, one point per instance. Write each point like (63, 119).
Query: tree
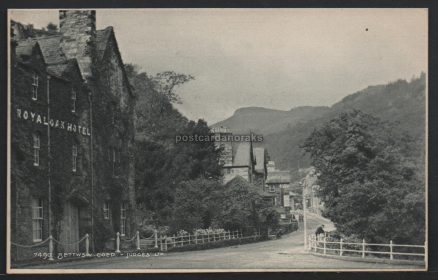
(162, 165)
(244, 208)
(52, 27)
(165, 82)
(197, 204)
(370, 180)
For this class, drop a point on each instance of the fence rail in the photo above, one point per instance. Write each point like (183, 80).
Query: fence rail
(321, 245)
(165, 242)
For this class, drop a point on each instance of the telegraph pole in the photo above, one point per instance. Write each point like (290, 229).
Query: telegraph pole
(304, 215)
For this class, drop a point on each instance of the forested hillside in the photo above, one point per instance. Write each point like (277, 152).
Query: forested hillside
(401, 102)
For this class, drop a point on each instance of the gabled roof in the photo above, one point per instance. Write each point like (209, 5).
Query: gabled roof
(102, 41)
(51, 49)
(243, 154)
(278, 177)
(102, 37)
(259, 154)
(24, 48)
(65, 69)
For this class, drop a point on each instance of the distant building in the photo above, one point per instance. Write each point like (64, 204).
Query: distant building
(313, 202)
(270, 166)
(239, 159)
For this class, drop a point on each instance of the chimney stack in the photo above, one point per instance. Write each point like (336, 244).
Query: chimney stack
(78, 29)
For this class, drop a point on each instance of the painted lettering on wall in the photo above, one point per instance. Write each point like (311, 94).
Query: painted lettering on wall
(42, 119)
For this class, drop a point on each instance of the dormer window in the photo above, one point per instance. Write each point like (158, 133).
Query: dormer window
(73, 100)
(35, 81)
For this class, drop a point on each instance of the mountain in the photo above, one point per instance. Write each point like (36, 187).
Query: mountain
(266, 121)
(400, 102)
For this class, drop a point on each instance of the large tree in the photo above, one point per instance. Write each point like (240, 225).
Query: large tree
(161, 163)
(370, 178)
(243, 208)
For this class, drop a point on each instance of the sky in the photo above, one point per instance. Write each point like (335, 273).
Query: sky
(273, 58)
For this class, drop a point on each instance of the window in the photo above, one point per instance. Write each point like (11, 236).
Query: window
(123, 219)
(37, 220)
(73, 100)
(106, 210)
(271, 188)
(74, 157)
(36, 149)
(35, 87)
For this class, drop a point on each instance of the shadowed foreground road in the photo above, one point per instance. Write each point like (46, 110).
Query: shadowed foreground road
(284, 253)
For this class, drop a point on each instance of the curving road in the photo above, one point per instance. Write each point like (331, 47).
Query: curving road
(284, 253)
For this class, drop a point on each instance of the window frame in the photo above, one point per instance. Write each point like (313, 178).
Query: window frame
(36, 139)
(35, 83)
(37, 219)
(271, 188)
(74, 99)
(106, 210)
(123, 219)
(74, 157)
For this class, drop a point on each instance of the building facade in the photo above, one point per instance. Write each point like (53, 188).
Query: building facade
(72, 135)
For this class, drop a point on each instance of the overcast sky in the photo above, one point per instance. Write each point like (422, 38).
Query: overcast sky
(274, 58)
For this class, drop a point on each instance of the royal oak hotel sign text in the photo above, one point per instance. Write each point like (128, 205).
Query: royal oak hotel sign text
(55, 123)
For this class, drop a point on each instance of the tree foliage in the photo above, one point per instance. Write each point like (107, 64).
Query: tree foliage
(244, 208)
(197, 204)
(371, 178)
(163, 166)
(52, 27)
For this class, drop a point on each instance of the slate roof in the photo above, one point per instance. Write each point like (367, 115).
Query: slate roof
(64, 69)
(24, 48)
(259, 154)
(51, 49)
(242, 157)
(278, 177)
(102, 37)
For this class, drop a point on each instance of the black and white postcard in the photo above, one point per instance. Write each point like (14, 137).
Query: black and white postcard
(210, 140)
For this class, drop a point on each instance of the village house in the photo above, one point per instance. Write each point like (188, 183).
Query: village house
(72, 134)
(241, 159)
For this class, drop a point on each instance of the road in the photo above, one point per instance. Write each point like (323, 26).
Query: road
(284, 253)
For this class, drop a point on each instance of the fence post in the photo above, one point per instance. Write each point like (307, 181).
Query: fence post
(425, 246)
(156, 238)
(50, 248)
(165, 243)
(174, 241)
(189, 238)
(229, 235)
(87, 245)
(118, 243)
(138, 240)
(208, 237)
(324, 245)
(340, 246)
(363, 248)
(214, 237)
(391, 257)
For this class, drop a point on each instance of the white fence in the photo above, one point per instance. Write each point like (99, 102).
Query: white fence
(165, 242)
(321, 244)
